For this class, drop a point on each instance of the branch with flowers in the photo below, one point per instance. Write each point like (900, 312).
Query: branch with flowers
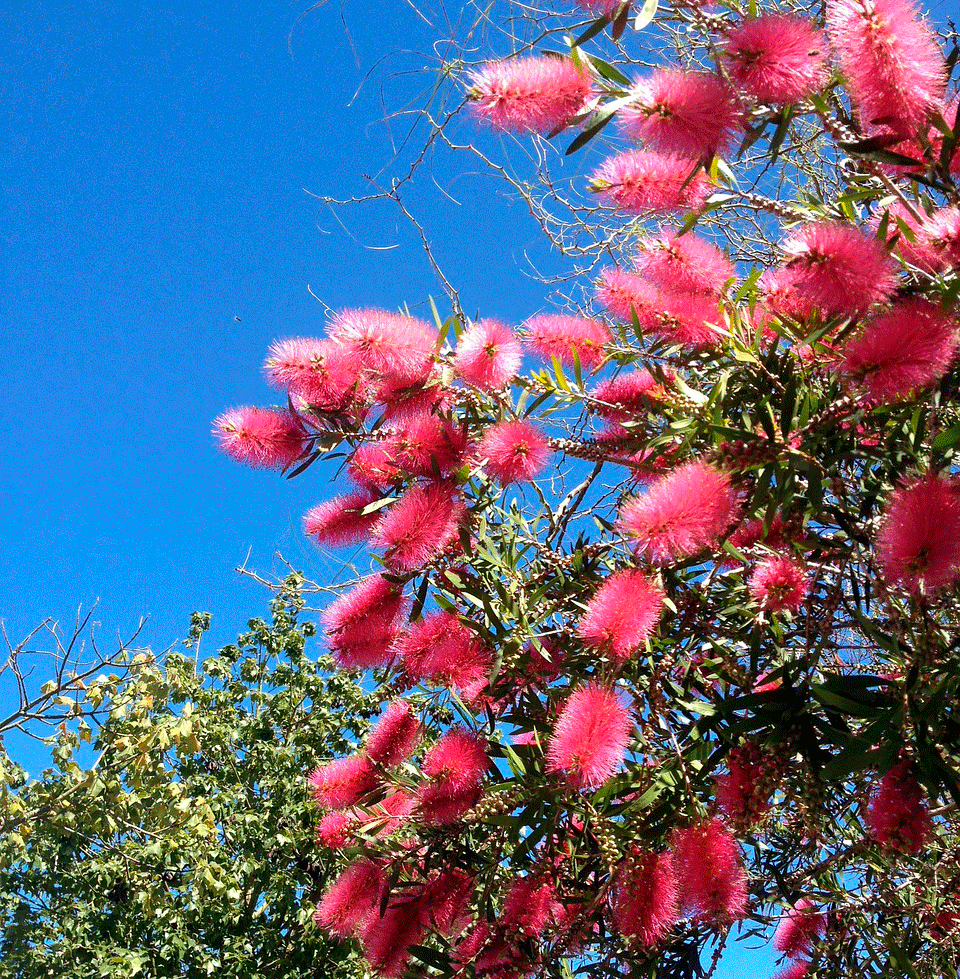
(687, 587)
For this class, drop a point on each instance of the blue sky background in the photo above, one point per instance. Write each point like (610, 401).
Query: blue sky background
(156, 184)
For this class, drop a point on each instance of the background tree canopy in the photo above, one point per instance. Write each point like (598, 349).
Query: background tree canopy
(173, 835)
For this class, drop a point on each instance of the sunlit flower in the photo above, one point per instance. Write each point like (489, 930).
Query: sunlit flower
(892, 63)
(692, 113)
(439, 648)
(341, 520)
(362, 624)
(621, 615)
(455, 766)
(532, 94)
(646, 180)
(589, 739)
(558, 335)
(908, 347)
(488, 355)
(419, 526)
(838, 268)
(918, 543)
(776, 58)
(514, 450)
(684, 262)
(625, 395)
(392, 739)
(341, 782)
(682, 513)
(266, 438)
(352, 898)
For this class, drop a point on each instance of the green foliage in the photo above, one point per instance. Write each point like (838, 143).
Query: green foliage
(177, 838)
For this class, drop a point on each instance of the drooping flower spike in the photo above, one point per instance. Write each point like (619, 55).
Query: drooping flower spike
(894, 70)
(910, 346)
(558, 335)
(918, 543)
(589, 739)
(621, 615)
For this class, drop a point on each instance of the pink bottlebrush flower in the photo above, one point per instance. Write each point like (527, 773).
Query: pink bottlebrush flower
(388, 815)
(352, 898)
(445, 900)
(266, 438)
(492, 954)
(897, 814)
(692, 113)
(691, 319)
(423, 444)
(361, 625)
(798, 928)
(530, 905)
(321, 372)
(644, 897)
(776, 58)
(439, 648)
(419, 526)
(590, 736)
(374, 464)
(394, 737)
(795, 970)
(515, 451)
(779, 584)
(838, 268)
(341, 782)
(625, 294)
(391, 349)
(893, 66)
(455, 766)
(743, 791)
(918, 543)
(908, 347)
(685, 263)
(488, 355)
(336, 829)
(341, 520)
(555, 335)
(644, 180)
(710, 871)
(626, 395)
(751, 532)
(621, 615)
(682, 513)
(780, 297)
(936, 246)
(532, 94)
(386, 938)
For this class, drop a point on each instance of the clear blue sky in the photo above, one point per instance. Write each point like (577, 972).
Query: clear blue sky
(153, 187)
